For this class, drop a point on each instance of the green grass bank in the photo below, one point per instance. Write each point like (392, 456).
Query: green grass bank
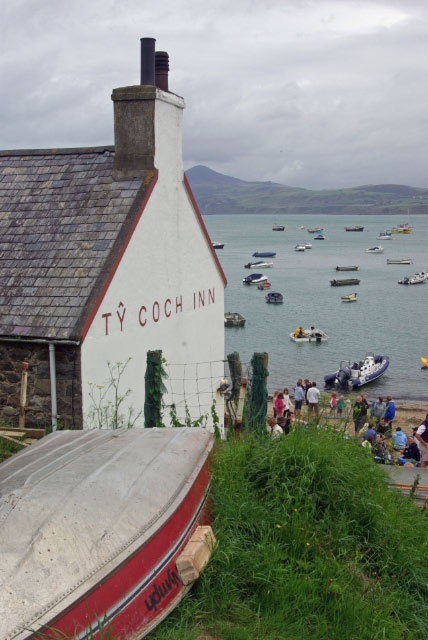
(311, 544)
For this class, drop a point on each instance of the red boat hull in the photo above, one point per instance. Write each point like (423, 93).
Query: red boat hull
(137, 595)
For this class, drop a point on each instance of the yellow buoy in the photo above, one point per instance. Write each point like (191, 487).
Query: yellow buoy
(425, 362)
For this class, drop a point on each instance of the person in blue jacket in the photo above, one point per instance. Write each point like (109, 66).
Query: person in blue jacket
(389, 414)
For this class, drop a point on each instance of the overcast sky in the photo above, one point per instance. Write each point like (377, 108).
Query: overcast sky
(310, 93)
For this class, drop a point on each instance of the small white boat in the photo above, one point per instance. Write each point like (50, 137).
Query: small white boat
(255, 278)
(299, 247)
(310, 335)
(302, 227)
(403, 261)
(259, 265)
(375, 250)
(218, 245)
(308, 245)
(351, 297)
(384, 236)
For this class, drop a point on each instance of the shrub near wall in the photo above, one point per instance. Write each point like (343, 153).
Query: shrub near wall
(38, 411)
(311, 544)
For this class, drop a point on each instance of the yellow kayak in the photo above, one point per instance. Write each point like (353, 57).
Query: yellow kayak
(425, 362)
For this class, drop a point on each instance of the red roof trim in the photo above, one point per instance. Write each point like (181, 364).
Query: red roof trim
(204, 229)
(118, 259)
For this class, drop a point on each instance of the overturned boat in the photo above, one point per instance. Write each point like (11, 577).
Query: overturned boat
(344, 283)
(93, 527)
(356, 374)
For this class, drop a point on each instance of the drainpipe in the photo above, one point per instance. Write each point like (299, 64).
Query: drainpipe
(52, 368)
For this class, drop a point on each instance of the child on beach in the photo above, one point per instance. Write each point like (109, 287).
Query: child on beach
(279, 405)
(287, 402)
(333, 403)
(340, 405)
(274, 397)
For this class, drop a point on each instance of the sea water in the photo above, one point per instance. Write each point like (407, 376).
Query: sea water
(388, 318)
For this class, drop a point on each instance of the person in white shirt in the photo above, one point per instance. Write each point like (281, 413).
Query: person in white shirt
(313, 396)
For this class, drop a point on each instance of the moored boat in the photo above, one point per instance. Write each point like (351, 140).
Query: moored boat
(350, 268)
(254, 278)
(319, 237)
(103, 517)
(344, 283)
(401, 229)
(402, 261)
(417, 278)
(299, 247)
(261, 264)
(355, 227)
(351, 297)
(278, 227)
(233, 319)
(309, 335)
(308, 245)
(264, 254)
(218, 245)
(384, 235)
(264, 285)
(315, 230)
(273, 297)
(375, 250)
(356, 374)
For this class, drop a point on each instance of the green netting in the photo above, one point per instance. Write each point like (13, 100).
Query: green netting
(257, 394)
(154, 388)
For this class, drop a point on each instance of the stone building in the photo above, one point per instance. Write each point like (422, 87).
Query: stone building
(104, 256)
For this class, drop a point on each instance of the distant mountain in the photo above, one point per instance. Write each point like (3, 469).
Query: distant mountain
(219, 193)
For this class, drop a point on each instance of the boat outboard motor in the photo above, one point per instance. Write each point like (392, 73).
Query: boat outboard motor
(343, 375)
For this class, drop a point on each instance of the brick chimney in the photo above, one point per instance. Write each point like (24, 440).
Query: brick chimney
(140, 126)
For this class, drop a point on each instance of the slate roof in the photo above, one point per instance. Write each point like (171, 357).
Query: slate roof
(62, 220)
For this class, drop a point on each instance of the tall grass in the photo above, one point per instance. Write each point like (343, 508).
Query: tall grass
(311, 544)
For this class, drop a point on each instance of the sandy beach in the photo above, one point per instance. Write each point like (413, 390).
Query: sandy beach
(407, 414)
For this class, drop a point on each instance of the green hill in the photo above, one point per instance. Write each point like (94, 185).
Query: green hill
(217, 193)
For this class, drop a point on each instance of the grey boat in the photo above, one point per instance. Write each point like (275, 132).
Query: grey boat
(344, 283)
(351, 268)
(233, 319)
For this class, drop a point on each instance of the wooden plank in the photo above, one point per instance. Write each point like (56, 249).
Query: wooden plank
(30, 433)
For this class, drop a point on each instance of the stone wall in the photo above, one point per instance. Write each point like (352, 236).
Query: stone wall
(38, 409)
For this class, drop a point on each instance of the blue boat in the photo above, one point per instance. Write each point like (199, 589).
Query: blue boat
(255, 278)
(264, 254)
(354, 375)
(274, 298)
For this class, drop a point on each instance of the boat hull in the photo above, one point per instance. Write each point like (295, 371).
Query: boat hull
(104, 545)
(350, 268)
(344, 283)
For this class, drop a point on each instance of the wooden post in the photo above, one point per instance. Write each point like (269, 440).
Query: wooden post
(23, 396)
(257, 401)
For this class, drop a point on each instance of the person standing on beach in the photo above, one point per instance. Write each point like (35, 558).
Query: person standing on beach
(389, 414)
(287, 402)
(421, 436)
(279, 405)
(333, 403)
(299, 396)
(359, 413)
(307, 386)
(378, 409)
(274, 397)
(340, 405)
(313, 396)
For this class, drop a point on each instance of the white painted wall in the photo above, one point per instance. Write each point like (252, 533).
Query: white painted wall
(167, 270)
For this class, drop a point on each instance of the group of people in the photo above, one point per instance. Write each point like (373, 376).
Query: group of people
(303, 392)
(301, 333)
(381, 413)
(403, 449)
